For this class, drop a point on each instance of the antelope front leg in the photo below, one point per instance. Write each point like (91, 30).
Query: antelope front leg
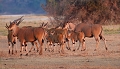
(15, 48)
(12, 48)
(36, 46)
(97, 43)
(73, 45)
(104, 43)
(68, 47)
(22, 47)
(9, 47)
(83, 46)
(31, 48)
(15, 44)
(40, 47)
(78, 46)
(62, 49)
(26, 51)
(40, 53)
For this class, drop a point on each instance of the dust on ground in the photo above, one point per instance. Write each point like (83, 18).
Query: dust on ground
(89, 59)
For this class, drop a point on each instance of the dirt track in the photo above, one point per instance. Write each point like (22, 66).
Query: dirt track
(88, 59)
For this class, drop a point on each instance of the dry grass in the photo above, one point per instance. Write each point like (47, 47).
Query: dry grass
(111, 29)
(88, 59)
(36, 20)
(29, 20)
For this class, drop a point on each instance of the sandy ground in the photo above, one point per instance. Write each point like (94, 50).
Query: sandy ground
(89, 59)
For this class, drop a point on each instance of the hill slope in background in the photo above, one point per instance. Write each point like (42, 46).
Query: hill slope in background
(21, 6)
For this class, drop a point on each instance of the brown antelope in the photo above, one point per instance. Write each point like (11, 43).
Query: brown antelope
(69, 26)
(55, 37)
(71, 34)
(28, 35)
(75, 37)
(11, 40)
(27, 27)
(91, 30)
(59, 31)
(43, 26)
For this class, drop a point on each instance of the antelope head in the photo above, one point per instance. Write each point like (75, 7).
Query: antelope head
(66, 25)
(15, 23)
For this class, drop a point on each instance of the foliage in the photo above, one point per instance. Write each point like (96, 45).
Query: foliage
(90, 11)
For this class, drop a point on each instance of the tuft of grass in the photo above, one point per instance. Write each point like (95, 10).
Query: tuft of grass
(107, 31)
(111, 29)
(3, 31)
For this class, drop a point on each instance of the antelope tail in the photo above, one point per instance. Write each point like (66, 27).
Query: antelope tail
(101, 34)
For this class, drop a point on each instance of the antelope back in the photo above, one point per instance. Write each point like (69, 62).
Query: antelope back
(39, 33)
(27, 34)
(89, 30)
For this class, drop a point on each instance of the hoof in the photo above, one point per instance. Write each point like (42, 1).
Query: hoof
(9, 52)
(83, 50)
(63, 52)
(106, 48)
(95, 50)
(48, 50)
(20, 54)
(12, 53)
(26, 54)
(37, 50)
(29, 51)
(68, 48)
(40, 53)
(58, 51)
(45, 49)
(16, 51)
(78, 49)
(34, 49)
(74, 50)
(52, 51)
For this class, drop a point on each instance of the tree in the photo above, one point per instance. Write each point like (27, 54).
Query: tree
(90, 11)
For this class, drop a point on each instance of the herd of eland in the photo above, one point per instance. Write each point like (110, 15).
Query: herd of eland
(61, 36)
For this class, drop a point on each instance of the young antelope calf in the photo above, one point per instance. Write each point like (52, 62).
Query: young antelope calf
(54, 36)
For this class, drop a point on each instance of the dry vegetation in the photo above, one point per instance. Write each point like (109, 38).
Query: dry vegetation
(90, 11)
(88, 59)
(36, 20)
